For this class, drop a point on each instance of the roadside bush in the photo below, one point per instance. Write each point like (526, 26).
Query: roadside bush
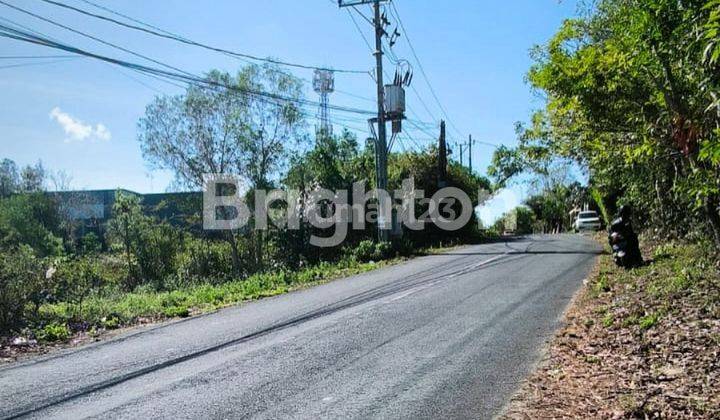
(53, 332)
(74, 279)
(364, 251)
(90, 244)
(370, 251)
(384, 250)
(156, 251)
(22, 281)
(205, 261)
(404, 247)
(150, 247)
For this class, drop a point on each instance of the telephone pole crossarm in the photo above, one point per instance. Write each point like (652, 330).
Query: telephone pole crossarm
(351, 3)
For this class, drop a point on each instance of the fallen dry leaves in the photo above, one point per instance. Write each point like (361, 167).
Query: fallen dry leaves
(639, 344)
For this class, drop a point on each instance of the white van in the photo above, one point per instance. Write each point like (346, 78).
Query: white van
(587, 220)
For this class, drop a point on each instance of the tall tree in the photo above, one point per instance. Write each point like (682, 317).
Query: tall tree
(632, 96)
(32, 178)
(9, 177)
(225, 129)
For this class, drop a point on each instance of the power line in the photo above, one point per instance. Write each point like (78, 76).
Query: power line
(412, 140)
(30, 30)
(52, 22)
(143, 70)
(364, 98)
(140, 82)
(367, 19)
(27, 28)
(163, 75)
(178, 38)
(422, 70)
(33, 57)
(36, 63)
(420, 128)
(181, 76)
(362, 34)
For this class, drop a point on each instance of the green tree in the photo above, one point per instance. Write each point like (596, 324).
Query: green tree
(32, 220)
(632, 98)
(9, 178)
(124, 229)
(150, 247)
(218, 130)
(524, 220)
(32, 178)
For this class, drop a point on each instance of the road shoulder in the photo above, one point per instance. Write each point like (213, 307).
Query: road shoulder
(635, 344)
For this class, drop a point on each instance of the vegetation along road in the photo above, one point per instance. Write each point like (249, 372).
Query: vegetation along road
(448, 335)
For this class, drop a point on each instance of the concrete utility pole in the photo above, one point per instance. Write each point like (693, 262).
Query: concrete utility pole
(470, 142)
(442, 158)
(384, 226)
(461, 146)
(383, 231)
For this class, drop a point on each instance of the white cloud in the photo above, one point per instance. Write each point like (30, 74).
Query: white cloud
(77, 130)
(102, 132)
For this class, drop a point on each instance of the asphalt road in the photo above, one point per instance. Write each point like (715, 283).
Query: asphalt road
(443, 336)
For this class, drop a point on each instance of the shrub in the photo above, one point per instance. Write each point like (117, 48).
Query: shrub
(205, 261)
(22, 281)
(364, 251)
(156, 252)
(74, 279)
(383, 250)
(150, 248)
(90, 244)
(111, 321)
(370, 251)
(53, 332)
(404, 247)
(176, 312)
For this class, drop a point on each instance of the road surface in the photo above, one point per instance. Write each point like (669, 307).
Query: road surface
(442, 336)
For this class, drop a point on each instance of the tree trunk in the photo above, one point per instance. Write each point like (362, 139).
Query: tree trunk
(131, 281)
(711, 208)
(235, 253)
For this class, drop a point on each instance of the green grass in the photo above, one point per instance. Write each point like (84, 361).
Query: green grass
(53, 332)
(600, 286)
(678, 270)
(608, 320)
(124, 309)
(648, 321)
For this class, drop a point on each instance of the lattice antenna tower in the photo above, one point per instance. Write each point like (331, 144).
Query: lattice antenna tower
(324, 85)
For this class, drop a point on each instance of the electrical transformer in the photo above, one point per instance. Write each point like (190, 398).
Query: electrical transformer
(394, 102)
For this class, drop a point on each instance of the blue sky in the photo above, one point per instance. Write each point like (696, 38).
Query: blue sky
(80, 115)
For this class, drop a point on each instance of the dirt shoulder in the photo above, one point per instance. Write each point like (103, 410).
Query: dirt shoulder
(643, 343)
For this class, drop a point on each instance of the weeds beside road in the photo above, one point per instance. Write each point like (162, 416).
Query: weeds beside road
(66, 323)
(643, 343)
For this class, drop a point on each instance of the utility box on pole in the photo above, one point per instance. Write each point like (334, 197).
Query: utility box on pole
(394, 102)
(395, 106)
